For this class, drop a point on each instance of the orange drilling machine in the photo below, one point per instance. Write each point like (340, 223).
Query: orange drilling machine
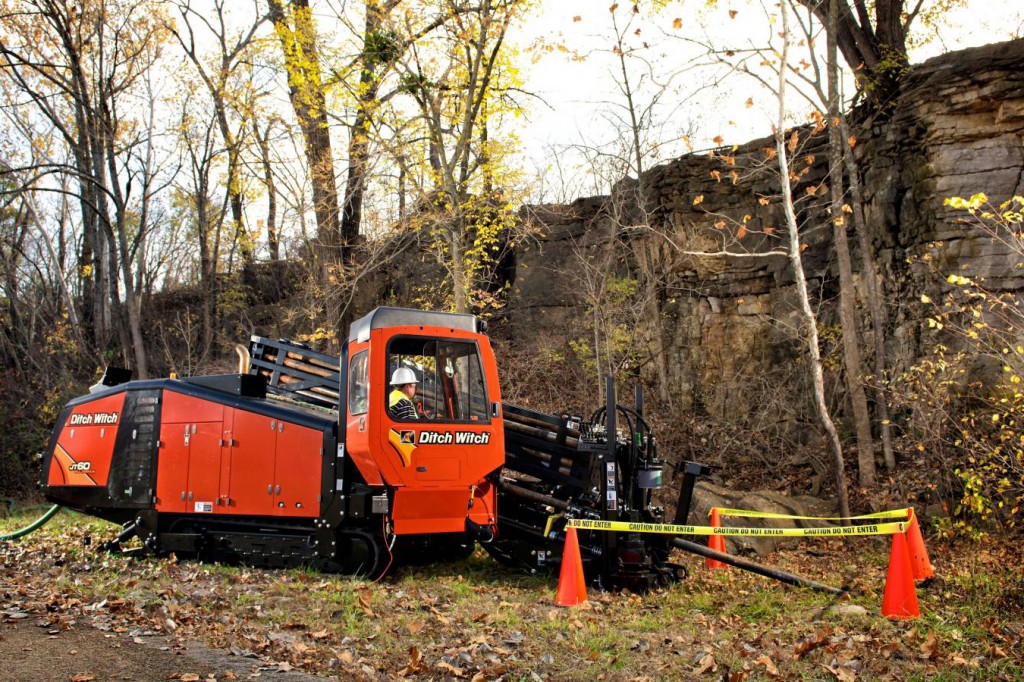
(303, 459)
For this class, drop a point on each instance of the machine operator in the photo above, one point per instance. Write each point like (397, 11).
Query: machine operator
(400, 404)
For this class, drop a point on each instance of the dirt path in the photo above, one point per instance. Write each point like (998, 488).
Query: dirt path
(32, 649)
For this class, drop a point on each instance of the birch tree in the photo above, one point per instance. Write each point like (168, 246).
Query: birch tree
(783, 148)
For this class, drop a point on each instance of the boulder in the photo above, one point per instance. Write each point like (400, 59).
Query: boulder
(706, 496)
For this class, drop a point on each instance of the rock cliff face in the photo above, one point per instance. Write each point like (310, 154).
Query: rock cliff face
(728, 323)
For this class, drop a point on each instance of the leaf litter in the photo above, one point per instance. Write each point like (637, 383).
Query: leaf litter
(477, 621)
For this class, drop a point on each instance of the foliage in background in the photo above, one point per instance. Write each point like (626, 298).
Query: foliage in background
(33, 394)
(966, 396)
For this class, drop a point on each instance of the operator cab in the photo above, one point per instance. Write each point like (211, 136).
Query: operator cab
(450, 383)
(438, 463)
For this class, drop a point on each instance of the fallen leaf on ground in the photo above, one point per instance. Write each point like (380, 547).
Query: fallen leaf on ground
(769, 666)
(706, 664)
(930, 646)
(415, 663)
(842, 674)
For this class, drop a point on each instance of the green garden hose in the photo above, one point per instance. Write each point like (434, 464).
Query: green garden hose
(35, 525)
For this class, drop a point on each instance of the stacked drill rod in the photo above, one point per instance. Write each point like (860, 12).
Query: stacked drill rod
(295, 370)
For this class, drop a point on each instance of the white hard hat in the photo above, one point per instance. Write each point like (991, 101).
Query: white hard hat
(403, 376)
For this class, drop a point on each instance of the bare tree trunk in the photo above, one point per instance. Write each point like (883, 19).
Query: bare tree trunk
(56, 263)
(263, 143)
(649, 257)
(875, 292)
(852, 360)
(305, 89)
(130, 319)
(646, 251)
(875, 53)
(359, 137)
(460, 280)
(817, 374)
(217, 84)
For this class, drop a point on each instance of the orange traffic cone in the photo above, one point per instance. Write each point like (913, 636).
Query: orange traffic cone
(572, 586)
(900, 599)
(920, 564)
(716, 542)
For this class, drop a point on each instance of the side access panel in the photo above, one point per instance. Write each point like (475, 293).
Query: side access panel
(172, 467)
(298, 470)
(219, 457)
(253, 457)
(204, 467)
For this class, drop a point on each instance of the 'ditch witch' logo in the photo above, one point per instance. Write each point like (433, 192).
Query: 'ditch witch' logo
(94, 419)
(405, 442)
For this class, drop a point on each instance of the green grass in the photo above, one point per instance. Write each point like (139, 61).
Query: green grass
(971, 609)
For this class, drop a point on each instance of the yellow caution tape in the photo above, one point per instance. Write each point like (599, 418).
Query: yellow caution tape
(750, 514)
(672, 529)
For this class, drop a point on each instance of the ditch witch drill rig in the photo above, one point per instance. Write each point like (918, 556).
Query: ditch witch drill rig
(297, 461)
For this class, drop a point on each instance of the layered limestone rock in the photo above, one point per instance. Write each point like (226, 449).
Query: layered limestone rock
(729, 323)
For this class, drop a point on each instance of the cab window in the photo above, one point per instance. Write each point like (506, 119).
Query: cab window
(450, 382)
(358, 383)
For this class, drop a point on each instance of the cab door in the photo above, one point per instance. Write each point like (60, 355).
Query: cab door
(454, 440)
(361, 394)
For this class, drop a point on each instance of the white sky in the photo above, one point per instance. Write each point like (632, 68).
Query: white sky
(579, 96)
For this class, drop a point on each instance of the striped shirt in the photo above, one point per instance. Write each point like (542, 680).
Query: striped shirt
(400, 406)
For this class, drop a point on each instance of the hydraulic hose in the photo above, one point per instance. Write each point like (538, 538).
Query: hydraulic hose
(35, 525)
(766, 571)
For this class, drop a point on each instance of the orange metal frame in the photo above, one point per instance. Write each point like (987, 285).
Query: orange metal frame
(437, 484)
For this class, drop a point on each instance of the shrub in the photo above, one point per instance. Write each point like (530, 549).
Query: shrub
(967, 393)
